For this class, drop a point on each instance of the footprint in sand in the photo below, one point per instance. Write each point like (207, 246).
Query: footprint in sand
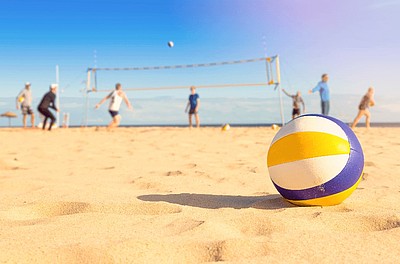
(10, 164)
(78, 254)
(235, 166)
(234, 249)
(145, 185)
(383, 223)
(253, 225)
(50, 210)
(181, 225)
(138, 209)
(191, 165)
(204, 174)
(253, 169)
(174, 173)
(316, 214)
(44, 210)
(369, 164)
(108, 168)
(192, 251)
(342, 209)
(357, 223)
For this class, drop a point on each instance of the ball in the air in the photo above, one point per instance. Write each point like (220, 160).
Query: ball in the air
(170, 44)
(315, 160)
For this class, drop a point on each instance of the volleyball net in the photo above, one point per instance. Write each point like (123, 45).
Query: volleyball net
(265, 71)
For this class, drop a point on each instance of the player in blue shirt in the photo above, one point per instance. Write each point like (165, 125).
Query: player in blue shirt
(194, 104)
(323, 89)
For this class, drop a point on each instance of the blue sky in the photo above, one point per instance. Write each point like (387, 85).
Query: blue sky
(355, 41)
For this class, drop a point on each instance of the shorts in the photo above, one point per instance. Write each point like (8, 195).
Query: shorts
(113, 113)
(296, 111)
(193, 111)
(26, 110)
(362, 107)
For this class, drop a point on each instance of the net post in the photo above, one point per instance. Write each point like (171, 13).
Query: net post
(58, 95)
(278, 82)
(281, 104)
(89, 71)
(278, 69)
(95, 80)
(267, 60)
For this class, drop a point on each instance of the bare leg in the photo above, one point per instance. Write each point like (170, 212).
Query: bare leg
(197, 120)
(190, 120)
(367, 118)
(115, 121)
(24, 121)
(33, 120)
(357, 119)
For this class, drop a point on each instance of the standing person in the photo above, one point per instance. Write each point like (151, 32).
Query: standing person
(363, 108)
(24, 100)
(297, 99)
(48, 101)
(116, 97)
(194, 104)
(323, 89)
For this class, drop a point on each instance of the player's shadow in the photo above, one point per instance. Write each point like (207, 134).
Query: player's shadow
(210, 201)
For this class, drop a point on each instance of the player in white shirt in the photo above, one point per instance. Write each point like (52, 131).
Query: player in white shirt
(24, 101)
(116, 97)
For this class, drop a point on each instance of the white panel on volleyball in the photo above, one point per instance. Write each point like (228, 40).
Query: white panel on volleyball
(300, 174)
(311, 124)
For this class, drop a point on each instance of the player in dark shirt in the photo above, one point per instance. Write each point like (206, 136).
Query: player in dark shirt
(194, 104)
(48, 101)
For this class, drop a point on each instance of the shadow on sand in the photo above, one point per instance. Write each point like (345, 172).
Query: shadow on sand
(210, 201)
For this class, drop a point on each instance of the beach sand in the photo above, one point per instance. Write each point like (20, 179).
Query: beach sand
(174, 195)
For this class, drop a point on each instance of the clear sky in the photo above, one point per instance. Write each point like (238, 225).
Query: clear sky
(356, 41)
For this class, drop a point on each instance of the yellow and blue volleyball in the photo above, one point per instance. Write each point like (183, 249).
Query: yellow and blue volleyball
(315, 160)
(226, 127)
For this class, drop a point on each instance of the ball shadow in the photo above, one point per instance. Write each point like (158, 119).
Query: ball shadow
(210, 201)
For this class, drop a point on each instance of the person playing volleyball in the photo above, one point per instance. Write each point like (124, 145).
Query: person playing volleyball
(24, 101)
(194, 104)
(116, 97)
(297, 100)
(363, 108)
(324, 93)
(48, 101)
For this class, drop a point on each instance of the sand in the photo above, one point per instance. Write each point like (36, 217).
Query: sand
(174, 195)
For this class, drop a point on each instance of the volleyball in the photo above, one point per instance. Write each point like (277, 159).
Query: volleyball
(274, 127)
(170, 44)
(226, 127)
(315, 160)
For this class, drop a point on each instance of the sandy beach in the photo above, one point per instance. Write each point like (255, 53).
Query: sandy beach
(175, 195)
